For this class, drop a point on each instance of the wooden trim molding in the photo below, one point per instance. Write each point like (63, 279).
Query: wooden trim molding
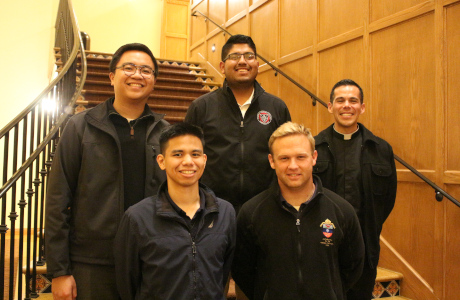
(340, 39)
(296, 55)
(413, 284)
(402, 16)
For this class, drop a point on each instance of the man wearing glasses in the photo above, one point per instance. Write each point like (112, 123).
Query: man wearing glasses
(104, 163)
(237, 121)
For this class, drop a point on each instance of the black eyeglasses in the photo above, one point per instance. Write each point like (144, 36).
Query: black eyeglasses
(130, 70)
(248, 56)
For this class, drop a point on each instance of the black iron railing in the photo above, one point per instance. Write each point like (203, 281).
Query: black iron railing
(27, 143)
(439, 193)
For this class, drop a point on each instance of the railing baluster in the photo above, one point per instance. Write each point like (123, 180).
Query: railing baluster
(13, 215)
(22, 204)
(3, 227)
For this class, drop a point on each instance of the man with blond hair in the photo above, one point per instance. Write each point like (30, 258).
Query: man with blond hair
(297, 240)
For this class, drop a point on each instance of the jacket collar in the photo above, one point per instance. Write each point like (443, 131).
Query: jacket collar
(326, 135)
(164, 208)
(275, 190)
(258, 90)
(98, 115)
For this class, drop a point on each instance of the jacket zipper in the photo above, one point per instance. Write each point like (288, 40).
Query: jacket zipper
(299, 252)
(194, 265)
(242, 157)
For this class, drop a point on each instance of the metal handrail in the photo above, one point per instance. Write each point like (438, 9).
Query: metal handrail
(25, 188)
(440, 193)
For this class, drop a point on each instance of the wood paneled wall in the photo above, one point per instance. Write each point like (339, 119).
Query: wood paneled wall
(174, 33)
(404, 54)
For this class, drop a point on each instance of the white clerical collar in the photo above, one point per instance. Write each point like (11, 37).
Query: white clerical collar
(347, 136)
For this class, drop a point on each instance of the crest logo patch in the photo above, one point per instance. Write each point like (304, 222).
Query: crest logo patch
(264, 117)
(328, 230)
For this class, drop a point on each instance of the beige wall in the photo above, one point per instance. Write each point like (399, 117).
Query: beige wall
(404, 53)
(27, 36)
(112, 23)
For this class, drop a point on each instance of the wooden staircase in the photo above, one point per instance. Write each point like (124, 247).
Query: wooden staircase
(177, 85)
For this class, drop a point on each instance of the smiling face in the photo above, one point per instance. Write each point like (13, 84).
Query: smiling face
(135, 87)
(346, 108)
(183, 160)
(240, 72)
(293, 160)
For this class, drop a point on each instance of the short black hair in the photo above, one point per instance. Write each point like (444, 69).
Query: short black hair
(237, 39)
(344, 82)
(132, 47)
(179, 129)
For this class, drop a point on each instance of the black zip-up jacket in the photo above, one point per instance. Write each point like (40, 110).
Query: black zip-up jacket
(379, 182)
(157, 257)
(237, 148)
(84, 202)
(315, 254)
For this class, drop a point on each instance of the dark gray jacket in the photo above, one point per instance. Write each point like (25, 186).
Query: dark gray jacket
(84, 202)
(379, 182)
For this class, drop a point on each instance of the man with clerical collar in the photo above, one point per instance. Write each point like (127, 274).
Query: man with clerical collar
(360, 167)
(297, 240)
(179, 243)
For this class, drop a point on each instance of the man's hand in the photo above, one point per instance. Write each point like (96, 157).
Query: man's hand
(64, 288)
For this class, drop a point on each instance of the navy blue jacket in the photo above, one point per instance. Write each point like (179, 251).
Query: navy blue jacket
(156, 257)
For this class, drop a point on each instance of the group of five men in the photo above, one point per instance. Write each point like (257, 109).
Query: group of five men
(134, 206)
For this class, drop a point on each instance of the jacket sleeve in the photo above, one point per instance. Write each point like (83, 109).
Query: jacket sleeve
(61, 189)
(127, 262)
(229, 254)
(192, 115)
(351, 252)
(393, 184)
(244, 263)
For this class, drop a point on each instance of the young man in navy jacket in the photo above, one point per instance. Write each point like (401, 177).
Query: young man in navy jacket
(178, 244)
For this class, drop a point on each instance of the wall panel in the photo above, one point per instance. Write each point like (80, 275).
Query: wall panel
(239, 27)
(403, 89)
(411, 227)
(343, 61)
(339, 16)
(296, 25)
(198, 26)
(264, 29)
(236, 7)
(217, 12)
(453, 86)
(299, 103)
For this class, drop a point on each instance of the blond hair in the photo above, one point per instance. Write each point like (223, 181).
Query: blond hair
(290, 128)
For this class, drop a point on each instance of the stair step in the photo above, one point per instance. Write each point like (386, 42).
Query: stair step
(387, 275)
(395, 298)
(387, 284)
(40, 269)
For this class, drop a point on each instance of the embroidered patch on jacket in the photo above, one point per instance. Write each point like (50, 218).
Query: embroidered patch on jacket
(264, 117)
(328, 231)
